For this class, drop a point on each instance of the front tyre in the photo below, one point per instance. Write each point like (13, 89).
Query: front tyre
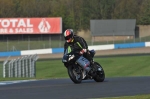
(100, 75)
(75, 74)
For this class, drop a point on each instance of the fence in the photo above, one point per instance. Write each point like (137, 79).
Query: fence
(27, 43)
(24, 66)
(58, 42)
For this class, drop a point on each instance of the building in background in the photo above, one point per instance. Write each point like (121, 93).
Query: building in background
(110, 30)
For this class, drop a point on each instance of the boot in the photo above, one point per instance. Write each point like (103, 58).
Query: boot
(92, 73)
(92, 63)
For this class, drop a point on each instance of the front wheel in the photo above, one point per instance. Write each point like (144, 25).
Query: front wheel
(100, 75)
(75, 74)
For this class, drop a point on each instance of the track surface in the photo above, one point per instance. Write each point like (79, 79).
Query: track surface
(66, 89)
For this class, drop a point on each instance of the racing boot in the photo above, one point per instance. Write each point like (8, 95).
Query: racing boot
(92, 73)
(92, 63)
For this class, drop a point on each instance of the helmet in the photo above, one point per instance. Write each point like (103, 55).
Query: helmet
(68, 35)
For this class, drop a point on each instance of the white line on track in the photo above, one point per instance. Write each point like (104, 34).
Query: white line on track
(14, 82)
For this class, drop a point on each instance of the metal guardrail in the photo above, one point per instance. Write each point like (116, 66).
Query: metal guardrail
(24, 66)
(58, 42)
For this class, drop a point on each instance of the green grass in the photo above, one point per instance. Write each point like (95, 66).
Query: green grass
(51, 69)
(126, 66)
(114, 67)
(129, 97)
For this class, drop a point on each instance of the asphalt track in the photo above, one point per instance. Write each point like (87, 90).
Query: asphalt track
(66, 89)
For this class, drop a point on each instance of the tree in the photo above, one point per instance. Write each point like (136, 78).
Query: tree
(7, 8)
(106, 8)
(144, 17)
(77, 14)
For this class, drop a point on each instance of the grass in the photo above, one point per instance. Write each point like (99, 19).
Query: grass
(114, 67)
(126, 66)
(129, 97)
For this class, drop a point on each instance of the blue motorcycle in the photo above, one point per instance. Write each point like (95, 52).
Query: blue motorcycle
(79, 67)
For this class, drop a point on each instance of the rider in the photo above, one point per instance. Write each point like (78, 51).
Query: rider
(78, 43)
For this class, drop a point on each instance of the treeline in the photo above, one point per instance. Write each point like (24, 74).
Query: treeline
(78, 13)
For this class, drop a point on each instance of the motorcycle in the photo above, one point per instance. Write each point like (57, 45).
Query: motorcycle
(78, 67)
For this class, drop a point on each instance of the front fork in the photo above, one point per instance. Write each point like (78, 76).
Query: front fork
(83, 74)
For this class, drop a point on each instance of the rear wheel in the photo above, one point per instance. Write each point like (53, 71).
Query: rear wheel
(100, 75)
(75, 74)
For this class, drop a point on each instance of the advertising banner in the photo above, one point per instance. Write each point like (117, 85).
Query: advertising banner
(31, 25)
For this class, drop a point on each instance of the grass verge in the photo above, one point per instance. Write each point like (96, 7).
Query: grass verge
(129, 97)
(122, 66)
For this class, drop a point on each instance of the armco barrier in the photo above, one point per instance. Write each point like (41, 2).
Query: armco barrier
(61, 50)
(57, 50)
(102, 47)
(129, 45)
(38, 51)
(14, 53)
(147, 44)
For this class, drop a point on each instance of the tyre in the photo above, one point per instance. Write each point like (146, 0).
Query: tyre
(100, 75)
(75, 74)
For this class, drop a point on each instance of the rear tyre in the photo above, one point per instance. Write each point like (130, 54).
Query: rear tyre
(100, 74)
(75, 74)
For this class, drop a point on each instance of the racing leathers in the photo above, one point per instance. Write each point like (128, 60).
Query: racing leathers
(79, 45)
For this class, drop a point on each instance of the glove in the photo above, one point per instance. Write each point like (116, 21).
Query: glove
(83, 51)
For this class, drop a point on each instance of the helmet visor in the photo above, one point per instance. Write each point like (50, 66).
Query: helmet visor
(69, 40)
(67, 37)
